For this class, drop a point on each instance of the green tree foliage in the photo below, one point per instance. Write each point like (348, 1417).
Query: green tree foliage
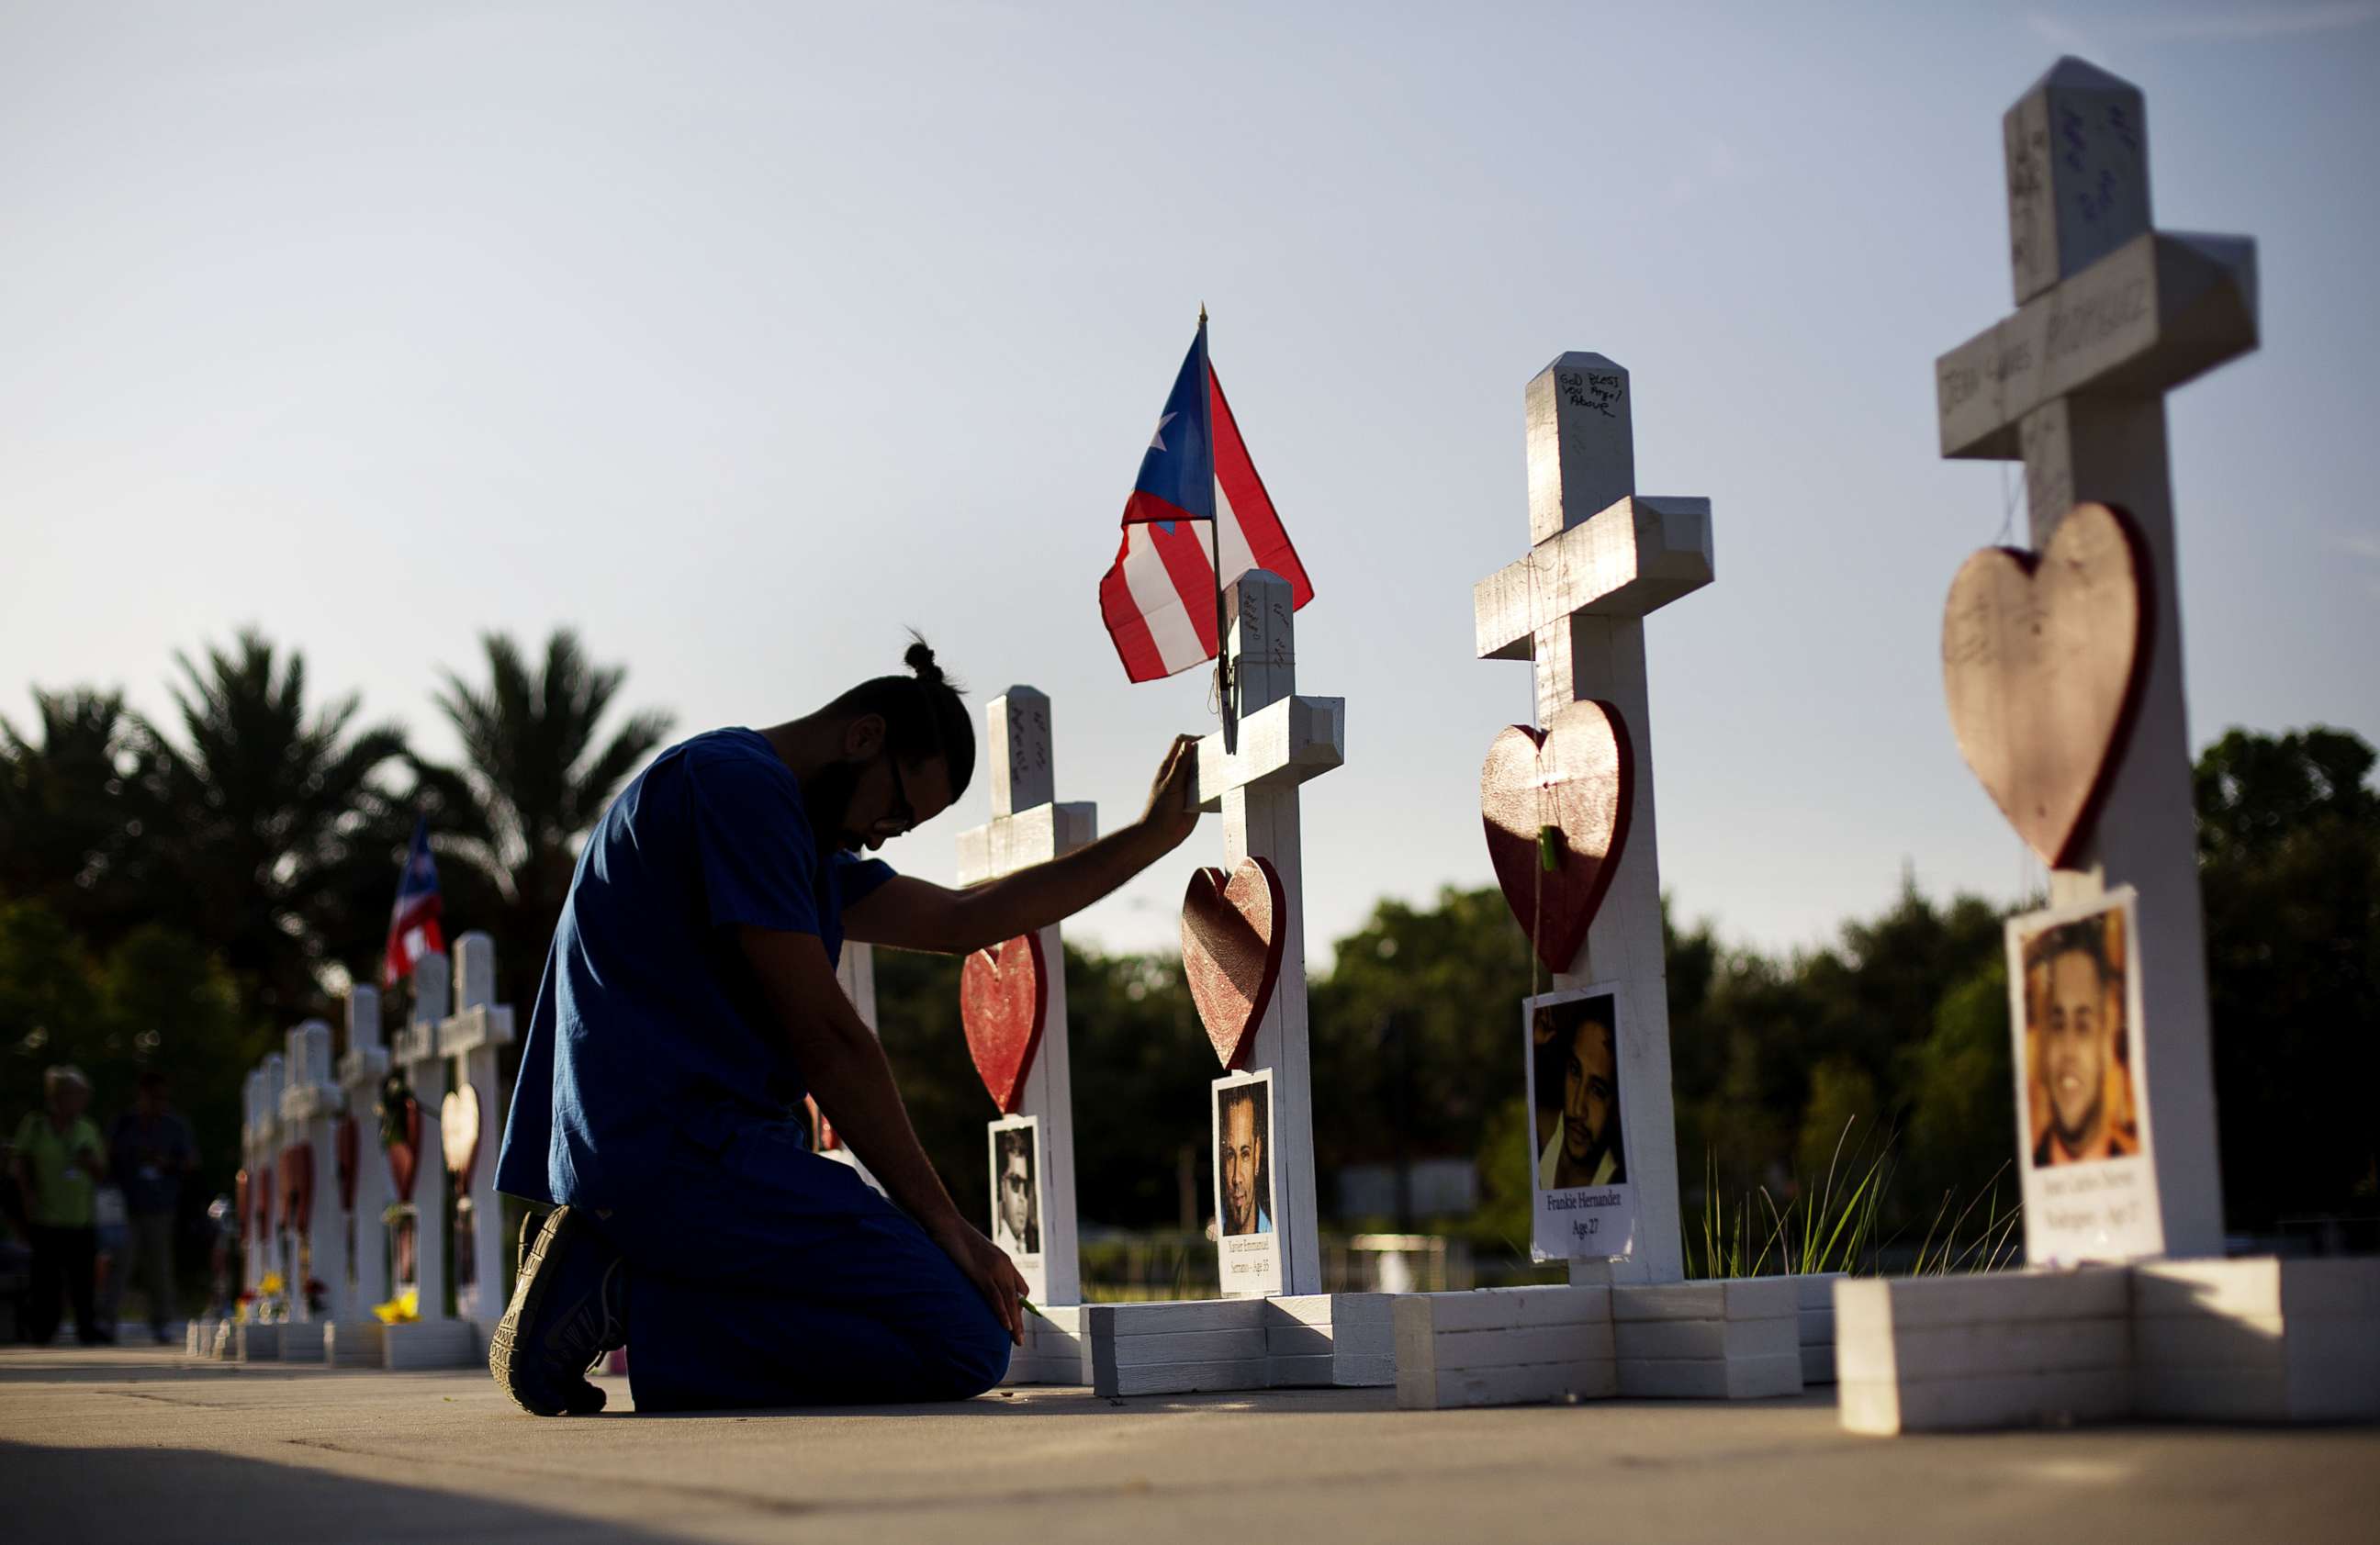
(78, 812)
(537, 772)
(2289, 844)
(1141, 1064)
(156, 999)
(1414, 1033)
(282, 831)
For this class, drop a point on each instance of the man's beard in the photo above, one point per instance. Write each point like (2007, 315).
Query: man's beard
(826, 795)
(1597, 1147)
(2075, 1138)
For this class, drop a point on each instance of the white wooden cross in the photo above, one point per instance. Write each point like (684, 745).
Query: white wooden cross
(1283, 740)
(1029, 826)
(260, 1127)
(1604, 557)
(2110, 315)
(362, 1273)
(855, 973)
(468, 1041)
(415, 1053)
(310, 1110)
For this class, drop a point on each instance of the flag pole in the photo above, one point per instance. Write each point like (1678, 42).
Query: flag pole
(1215, 548)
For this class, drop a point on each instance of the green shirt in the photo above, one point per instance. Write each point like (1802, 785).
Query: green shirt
(62, 1183)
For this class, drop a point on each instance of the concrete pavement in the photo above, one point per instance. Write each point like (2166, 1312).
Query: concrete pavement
(139, 1445)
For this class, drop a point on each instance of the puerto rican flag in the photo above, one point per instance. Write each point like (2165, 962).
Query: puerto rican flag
(413, 921)
(1159, 595)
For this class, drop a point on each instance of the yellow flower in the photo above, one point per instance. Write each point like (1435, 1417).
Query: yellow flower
(271, 1285)
(402, 1310)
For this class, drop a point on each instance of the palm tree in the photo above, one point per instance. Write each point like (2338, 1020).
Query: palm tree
(78, 811)
(536, 776)
(279, 822)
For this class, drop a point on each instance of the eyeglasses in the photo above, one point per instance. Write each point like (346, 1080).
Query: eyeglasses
(903, 815)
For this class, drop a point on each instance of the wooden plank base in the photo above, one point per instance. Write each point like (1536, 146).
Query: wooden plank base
(2253, 1340)
(1052, 1353)
(354, 1342)
(419, 1344)
(1730, 1340)
(1759, 1376)
(1320, 1340)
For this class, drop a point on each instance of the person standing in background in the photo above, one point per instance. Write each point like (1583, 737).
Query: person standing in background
(151, 1149)
(60, 1164)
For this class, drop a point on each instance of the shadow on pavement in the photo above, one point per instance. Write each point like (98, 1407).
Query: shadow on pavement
(165, 1496)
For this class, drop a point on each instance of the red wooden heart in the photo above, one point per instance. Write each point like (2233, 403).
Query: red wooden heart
(404, 1153)
(1003, 998)
(1577, 775)
(297, 1187)
(1232, 939)
(349, 1138)
(2043, 661)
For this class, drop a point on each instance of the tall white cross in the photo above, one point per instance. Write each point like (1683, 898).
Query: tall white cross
(363, 1268)
(1604, 557)
(309, 1108)
(469, 1040)
(1282, 741)
(1029, 826)
(2110, 315)
(415, 1053)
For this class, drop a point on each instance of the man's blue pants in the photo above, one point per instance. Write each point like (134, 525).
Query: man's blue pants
(762, 1274)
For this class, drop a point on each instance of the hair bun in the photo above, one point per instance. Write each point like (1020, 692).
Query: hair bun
(920, 658)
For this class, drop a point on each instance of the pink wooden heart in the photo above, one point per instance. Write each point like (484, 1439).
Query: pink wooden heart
(1232, 939)
(1003, 998)
(2044, 658)
(1577, 775)
(458, 1133)
(404, 1153)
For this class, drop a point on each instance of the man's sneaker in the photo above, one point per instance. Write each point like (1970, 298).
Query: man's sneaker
(568, 1309)
(532, 1224)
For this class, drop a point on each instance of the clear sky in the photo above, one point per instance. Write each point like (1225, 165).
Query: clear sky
(741, 335)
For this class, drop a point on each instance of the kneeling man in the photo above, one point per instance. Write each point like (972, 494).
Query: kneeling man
(689, 1001)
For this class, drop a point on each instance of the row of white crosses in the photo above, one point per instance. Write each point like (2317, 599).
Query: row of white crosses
(2112, 314)
(298, 1102)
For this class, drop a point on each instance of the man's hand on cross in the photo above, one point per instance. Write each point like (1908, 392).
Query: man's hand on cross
(988, 1266)
(1173, 811)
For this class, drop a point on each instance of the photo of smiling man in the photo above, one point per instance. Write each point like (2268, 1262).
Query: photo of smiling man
(2082, 1126)
(2076, 1058)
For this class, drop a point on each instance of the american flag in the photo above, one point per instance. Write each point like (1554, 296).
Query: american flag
(413, 921)
(1158, 597)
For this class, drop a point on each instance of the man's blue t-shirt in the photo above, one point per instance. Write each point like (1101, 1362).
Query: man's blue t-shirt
(648, 1021)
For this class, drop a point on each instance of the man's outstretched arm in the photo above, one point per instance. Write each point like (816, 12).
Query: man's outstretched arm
(910, 913)
(853, 1084)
